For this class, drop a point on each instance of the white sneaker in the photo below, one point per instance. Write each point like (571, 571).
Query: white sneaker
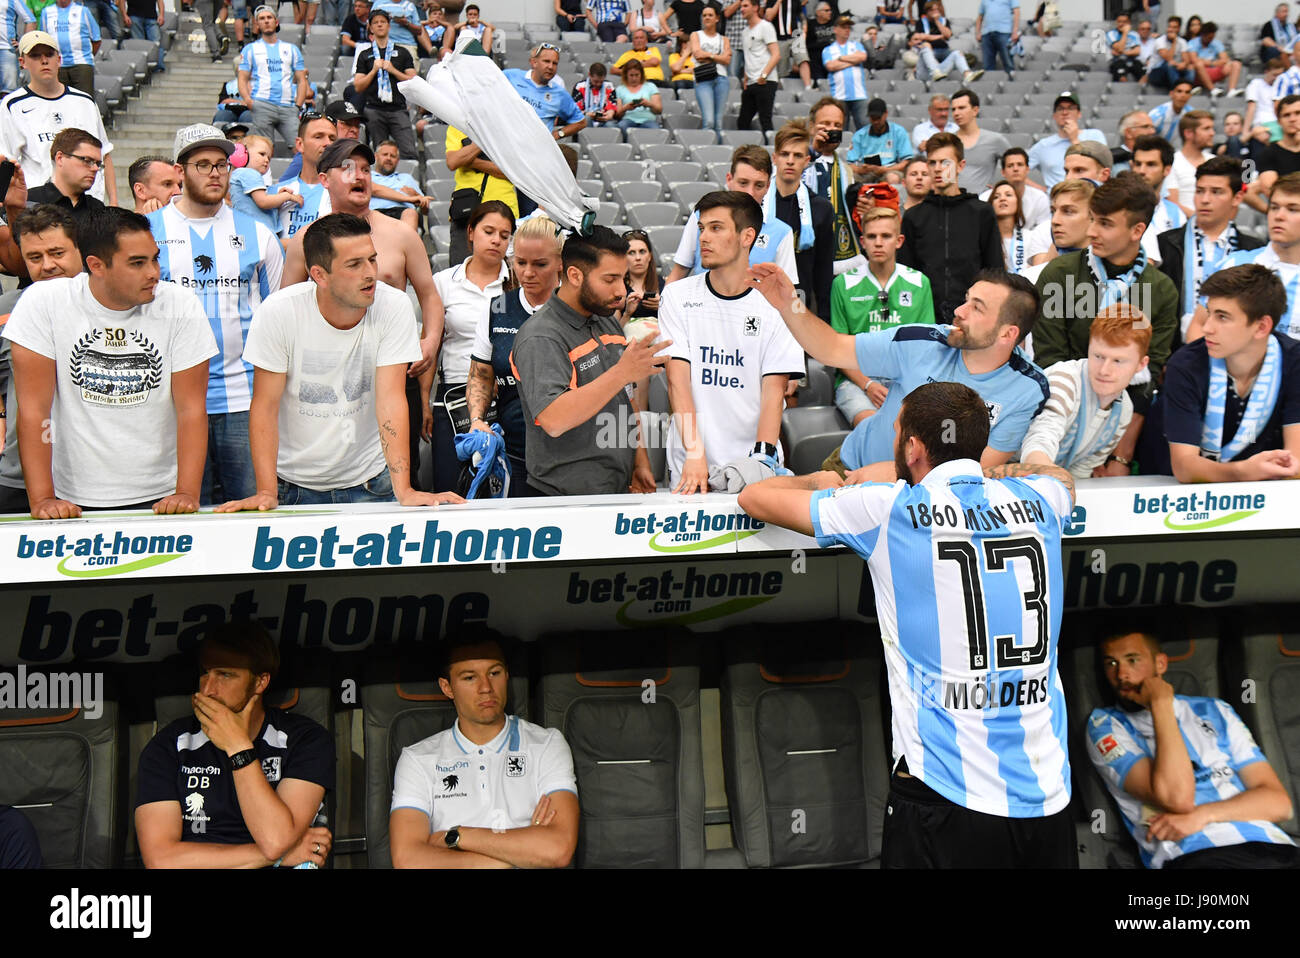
(1236, 92)
(1197, 91)
(936, 77)
(1215, 93)
(970, 76)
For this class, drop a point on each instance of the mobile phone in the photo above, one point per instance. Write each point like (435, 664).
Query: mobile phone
(834, 136)
(6, 175)
(873, 160)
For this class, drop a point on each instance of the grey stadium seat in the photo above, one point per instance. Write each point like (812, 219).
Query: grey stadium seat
(638, 763)
(621, 171)
(1269, 656)
(599, 134)
(712, 153)
(664, 152)
(665, 240)
(688, 194)
(803, 743)
(809, 434)
(820, 390)
(68, 774)
(602, 153)
(735, 138)
(693, 138)
(659, 409)
(670, 173)
(610, 214)
(1192, 645)
(641, 138)
(644, 215)
(401, 704)
(638, 192)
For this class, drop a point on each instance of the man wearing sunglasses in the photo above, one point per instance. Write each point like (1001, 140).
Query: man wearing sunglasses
(77, 157)
(231, 262)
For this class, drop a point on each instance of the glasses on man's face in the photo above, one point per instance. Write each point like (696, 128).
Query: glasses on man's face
(207, 167)
(91, 162)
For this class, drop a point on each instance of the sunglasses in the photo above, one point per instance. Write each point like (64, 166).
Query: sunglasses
(314, 115)
(542, 47)
(636, 234)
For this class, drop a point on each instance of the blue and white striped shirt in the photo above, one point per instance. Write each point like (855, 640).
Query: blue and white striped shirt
(271, 67)
(232, 263)
(13, 15)
(967, 574)
(1287, 84)
(1166, 120)
(1219, 746)
(607, 11)
(1288, 273)
(75, 29)
(851, 82)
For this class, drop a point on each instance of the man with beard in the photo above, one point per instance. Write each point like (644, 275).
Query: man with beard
(979, 349)
(238, 784)
(981, 772)
(1193, 787)
(232, 263)
(576, 371)
(344, 173)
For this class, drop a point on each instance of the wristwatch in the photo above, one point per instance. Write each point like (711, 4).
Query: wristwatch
(452, 838)
(247, 757)
(1120, 459)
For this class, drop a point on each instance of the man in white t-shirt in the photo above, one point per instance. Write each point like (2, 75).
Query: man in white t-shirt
(1197, 131)
(328, 422)
(492, 791)
(32, 114)
(939, 122)
(731, 353)
(111, 369)
(762, 56)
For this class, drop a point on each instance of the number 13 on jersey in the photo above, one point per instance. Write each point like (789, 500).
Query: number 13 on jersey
(999, 556)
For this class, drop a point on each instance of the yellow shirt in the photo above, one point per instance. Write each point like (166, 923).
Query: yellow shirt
(651, 72)
(497, 188)
(683, 67)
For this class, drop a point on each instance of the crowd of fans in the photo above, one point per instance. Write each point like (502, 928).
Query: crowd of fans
(1108, 309)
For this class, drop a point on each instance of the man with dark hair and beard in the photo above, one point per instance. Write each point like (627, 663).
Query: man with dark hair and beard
(1193, 787)
(576, 374)
(238, 784)
(981, 771)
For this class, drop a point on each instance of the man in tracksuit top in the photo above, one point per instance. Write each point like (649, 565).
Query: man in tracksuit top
(950, 235)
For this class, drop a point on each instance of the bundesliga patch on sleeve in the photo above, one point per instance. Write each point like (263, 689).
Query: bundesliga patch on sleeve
(1109, 748)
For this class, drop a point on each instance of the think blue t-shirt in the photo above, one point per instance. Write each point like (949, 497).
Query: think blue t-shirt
(245, 182)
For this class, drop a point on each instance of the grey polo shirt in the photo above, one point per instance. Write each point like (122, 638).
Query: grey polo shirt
(555, 351)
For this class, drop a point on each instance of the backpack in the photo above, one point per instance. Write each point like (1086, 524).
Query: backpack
(1051, 18)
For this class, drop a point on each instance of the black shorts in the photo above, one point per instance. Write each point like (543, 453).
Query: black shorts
(1246, 855)
(925, 830)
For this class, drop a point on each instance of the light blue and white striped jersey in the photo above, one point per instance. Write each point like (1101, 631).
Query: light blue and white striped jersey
(1219, 746)
(315, 204)
(1288, 273)
(271, 67)
(1287, 84)
(849, 83)
(75, 28)
(967, 575)
(1166, 120)
(13, 15)
(232, 263)
(399, 8)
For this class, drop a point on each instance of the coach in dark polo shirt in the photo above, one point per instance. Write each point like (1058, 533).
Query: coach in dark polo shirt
(577, 375)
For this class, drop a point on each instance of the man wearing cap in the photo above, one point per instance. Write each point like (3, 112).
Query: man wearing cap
(272, 79)
(315, 133)
(77, 159)
(550, 101)
(231, 262)
(31, 116)
(1088, 160)
(78, 37)
(880, 147)
(379, 69)
(15, 19)
(154, 181)
(1048, 154)
(347, 126)
(344, 172)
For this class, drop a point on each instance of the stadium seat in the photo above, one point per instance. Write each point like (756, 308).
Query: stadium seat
(1266, 662)
(622, 171)
(68, 774)
(688, 194)
(401, 704)
(712, 153)
(638, 192)
(804, 745)
(820, 390)
(1192, 645)
(599, 134)
(654, 426)
(641, 138)
(645, 215)
(291, 33)
(717, 173)
(672, 173)
(809, 434)
(278, 165)
(664, 152)
(637, 759)
(694, 138)
(610, 214)
(665, 239)
(602, 153)
(593, 187)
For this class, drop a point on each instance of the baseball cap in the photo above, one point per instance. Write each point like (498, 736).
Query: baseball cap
(877, 107)
(1068, 97)
(342, 110)
(379, 12)
(37, 38)
(200, 134)
(844, 21)
(340, 151)
(269, 9)
(229, 128)
(1094, 151)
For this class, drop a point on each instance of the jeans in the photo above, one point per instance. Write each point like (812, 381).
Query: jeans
(994, 45)
(611, 30)
(377, 489)
(858, 110)
(757, 97)
(146, 28)
(268, 118)
(105, 15)
(230, 113)
(8, 68)
(627, 123)
(335, 11)
(711, 95)
(1166, 77)
(228, 473)
(954, 60)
